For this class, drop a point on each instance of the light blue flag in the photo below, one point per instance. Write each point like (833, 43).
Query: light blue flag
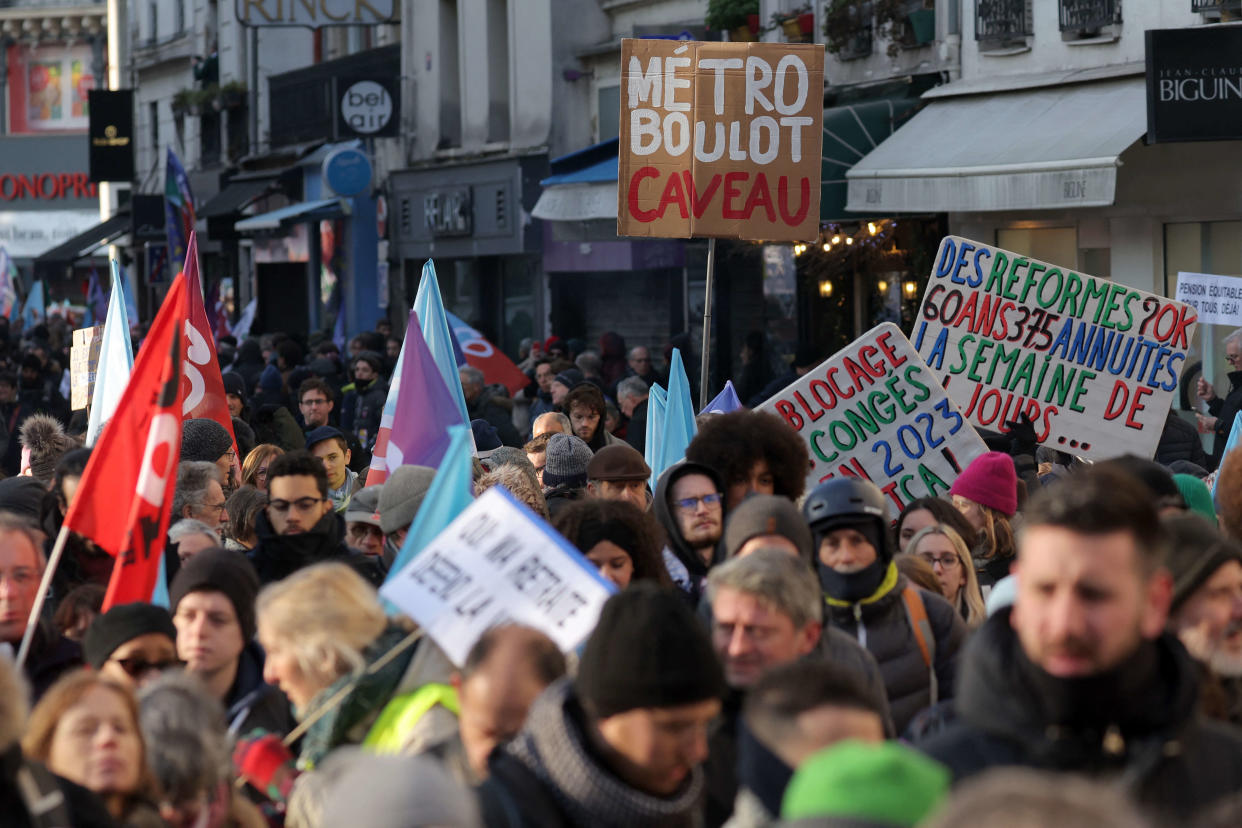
(116, 361)
(33, 311)
(678, 427)
(430, 309)
(242, 329)
(449, 495)
(656, 402)
(131, 304)
(726, 401)
(1235, 434)
(159, 595)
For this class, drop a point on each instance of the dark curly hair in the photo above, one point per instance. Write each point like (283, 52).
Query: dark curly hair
(587, 522)
(732, 443)
(299, 463)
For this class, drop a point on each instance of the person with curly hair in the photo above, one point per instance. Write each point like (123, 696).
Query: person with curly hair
(617, 537)
(755, 452)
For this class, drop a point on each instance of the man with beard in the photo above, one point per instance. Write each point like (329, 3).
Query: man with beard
(1080, 676)
(299, 527)
(1206, 612)
(689, 503)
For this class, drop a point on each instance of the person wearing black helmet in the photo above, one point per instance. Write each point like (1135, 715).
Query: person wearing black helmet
(914, 635)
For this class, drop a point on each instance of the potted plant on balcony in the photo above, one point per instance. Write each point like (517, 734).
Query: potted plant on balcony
(182, 102)
(740, 18)
(232, 95)
(798, 24)
(846, 24)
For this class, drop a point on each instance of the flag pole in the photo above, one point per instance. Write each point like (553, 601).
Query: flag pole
(32, 623)
(707, 325)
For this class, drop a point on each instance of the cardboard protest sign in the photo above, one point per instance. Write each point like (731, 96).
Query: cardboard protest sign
(1093, 363)
(1217, 299)
(498, 563)
(875, 410)
(83, 360)
(720, 139)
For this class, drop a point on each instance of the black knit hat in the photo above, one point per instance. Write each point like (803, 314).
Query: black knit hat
(224, 571)
(1196, 550)
(121, 624)
(204, 439)
(648, 650)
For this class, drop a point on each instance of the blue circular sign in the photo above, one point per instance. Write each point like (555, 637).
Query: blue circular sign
(347, 171)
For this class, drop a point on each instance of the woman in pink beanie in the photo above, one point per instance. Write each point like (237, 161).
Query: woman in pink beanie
(986, 494)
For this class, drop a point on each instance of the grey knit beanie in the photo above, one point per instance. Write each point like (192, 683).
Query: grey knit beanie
(204, 439)
(565, 464)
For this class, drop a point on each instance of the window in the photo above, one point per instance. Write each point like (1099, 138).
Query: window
(1001, 22)
(498, 71)
(450, 77)
(609, 98)
(153, 16)
(179, 9)
(1056, 245)
(1204, 247)
(153, 123)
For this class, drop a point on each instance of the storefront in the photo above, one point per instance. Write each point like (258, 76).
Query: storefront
(473, 220)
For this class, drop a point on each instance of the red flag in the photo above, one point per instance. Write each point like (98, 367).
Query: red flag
(125, 494)
(202, 383)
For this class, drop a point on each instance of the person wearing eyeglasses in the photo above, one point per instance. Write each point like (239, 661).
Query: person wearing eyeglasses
(131, 644)
(689, 503)
(199, 494)
(947, 554)
(1221, 412)
(300, 527)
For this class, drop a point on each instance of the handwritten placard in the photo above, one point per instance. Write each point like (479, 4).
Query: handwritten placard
(1093, 363)
(498, 563)
(875, 410)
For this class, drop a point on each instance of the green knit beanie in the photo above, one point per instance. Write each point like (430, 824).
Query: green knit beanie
(858, 783)
(1196, 494)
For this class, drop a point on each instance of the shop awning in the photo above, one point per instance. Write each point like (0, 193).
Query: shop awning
(304, 211)
(582, 187)
(850, 132)
(1037, 149)
(86, 242)
(237, 196)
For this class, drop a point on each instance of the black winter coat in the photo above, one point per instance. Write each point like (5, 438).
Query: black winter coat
(1224, 410)
(1180, 441)
(882, 625)
(1139, 725)
(692, 579)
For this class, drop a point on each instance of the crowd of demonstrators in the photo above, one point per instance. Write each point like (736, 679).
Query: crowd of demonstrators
(1047, 642)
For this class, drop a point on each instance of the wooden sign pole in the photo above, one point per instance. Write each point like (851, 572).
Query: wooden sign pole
(705, 360)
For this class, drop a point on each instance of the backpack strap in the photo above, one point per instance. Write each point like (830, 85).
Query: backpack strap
(916, 611)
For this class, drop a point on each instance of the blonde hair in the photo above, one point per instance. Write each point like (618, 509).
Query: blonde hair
(327, 614)
(67, 692)
(969, 597)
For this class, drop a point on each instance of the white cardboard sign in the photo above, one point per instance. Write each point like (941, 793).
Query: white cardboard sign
(1094, 363)
(497, 563)
(1217, 299)
(875, 410)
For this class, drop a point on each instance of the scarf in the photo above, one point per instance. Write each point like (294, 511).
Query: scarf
(364, 702)
(553, 747)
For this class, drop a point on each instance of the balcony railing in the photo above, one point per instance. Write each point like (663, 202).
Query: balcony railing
(1002, 19)
(1202, 6)
(1089, 15)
